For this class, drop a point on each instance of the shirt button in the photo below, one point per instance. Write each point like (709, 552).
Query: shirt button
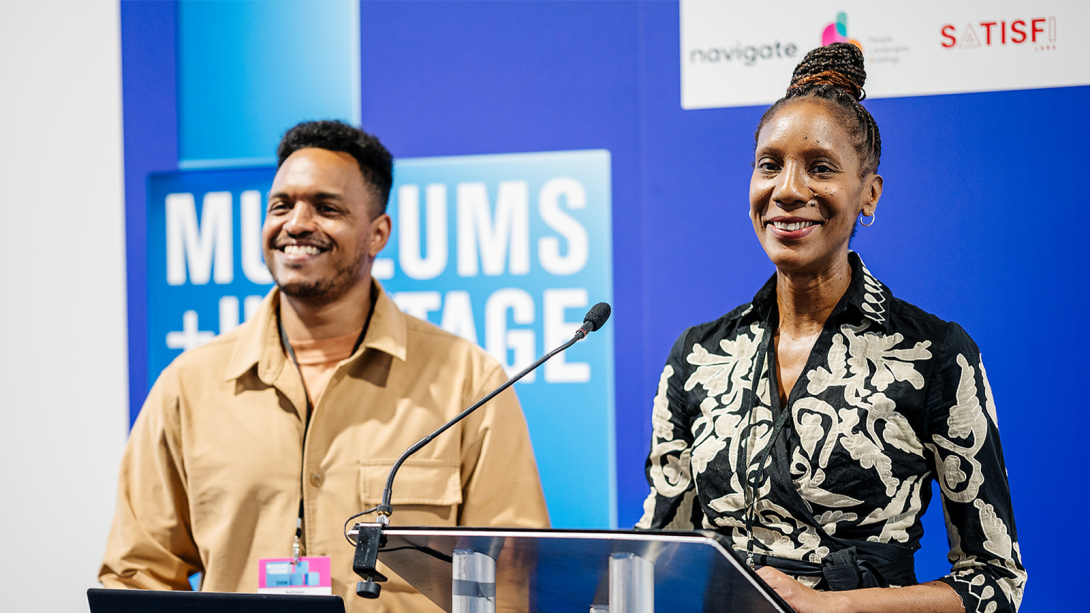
(316, 479)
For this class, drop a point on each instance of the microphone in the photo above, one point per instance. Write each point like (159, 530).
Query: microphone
(367, 547)
(596, 316)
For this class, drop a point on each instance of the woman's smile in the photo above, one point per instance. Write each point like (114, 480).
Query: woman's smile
(792, 228)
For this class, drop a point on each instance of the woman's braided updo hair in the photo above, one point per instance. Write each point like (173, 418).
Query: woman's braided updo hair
(835, 74)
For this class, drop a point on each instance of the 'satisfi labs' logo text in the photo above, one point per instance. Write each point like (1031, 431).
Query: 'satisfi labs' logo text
(1039, 32)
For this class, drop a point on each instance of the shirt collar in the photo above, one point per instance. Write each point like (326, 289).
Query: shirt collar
(259, 343)
(866, 297)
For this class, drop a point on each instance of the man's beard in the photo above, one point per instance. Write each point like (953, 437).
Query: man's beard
(330, 288)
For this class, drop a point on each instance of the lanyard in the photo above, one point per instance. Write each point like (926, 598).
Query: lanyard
(750, 485)
(297, 543)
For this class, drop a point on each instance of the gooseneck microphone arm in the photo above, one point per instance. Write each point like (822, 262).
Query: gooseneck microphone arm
(369, 537)
(596, 316)
(384, 509)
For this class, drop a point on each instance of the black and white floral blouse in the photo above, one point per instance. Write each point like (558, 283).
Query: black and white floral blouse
(890, 399)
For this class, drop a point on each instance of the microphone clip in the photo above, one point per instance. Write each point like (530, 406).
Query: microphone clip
(369, 539)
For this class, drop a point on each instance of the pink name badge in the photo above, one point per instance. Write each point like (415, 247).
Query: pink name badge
(310, 576)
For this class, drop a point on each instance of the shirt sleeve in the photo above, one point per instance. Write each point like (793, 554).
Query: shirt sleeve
(150, 545)
(987, 570)
(672, 502)
(501, 486)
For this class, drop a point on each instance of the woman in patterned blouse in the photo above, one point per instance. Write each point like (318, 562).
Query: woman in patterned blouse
(809, 425)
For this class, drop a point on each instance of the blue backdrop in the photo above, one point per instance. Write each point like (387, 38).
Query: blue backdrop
(974, 223)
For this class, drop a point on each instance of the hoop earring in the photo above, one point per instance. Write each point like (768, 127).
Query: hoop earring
(866, 225)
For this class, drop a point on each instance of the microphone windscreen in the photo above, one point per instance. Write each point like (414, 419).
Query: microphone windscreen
(597, 315)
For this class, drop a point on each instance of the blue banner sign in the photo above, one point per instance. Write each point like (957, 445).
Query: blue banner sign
(508, 251)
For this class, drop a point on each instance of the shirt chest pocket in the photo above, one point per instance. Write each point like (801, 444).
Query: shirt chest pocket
(425, 493)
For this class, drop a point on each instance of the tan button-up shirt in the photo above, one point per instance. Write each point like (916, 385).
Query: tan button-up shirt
(220, 454)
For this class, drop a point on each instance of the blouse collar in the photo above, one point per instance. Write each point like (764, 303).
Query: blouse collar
(866, 297)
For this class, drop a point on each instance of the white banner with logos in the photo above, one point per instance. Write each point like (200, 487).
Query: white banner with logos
(743, 53)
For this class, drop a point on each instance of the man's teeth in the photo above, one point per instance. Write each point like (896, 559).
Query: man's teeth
(300, 250)
(794, 225)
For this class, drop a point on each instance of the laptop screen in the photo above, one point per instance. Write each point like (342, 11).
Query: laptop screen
(140, 601)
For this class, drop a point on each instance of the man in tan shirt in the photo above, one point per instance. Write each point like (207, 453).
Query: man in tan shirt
(313, 400)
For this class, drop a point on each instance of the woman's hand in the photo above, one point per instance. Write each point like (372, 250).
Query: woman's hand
(800, 597)
(931, 597)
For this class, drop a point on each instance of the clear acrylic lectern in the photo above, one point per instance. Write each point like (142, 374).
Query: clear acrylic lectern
(482, 570)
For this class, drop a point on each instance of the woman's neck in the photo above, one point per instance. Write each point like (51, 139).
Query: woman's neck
(806, 300)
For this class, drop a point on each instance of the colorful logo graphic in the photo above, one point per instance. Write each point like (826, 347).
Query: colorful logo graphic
(838, 32)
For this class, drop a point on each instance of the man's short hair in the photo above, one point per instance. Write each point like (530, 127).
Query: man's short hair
(375, 162)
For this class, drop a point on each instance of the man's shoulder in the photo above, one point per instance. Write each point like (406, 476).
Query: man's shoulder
(209, 359)
(422, 333)
(446, 356)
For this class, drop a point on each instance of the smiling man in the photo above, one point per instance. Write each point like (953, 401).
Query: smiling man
(260, 444)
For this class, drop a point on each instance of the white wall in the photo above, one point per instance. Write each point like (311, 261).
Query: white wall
(63, 388)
